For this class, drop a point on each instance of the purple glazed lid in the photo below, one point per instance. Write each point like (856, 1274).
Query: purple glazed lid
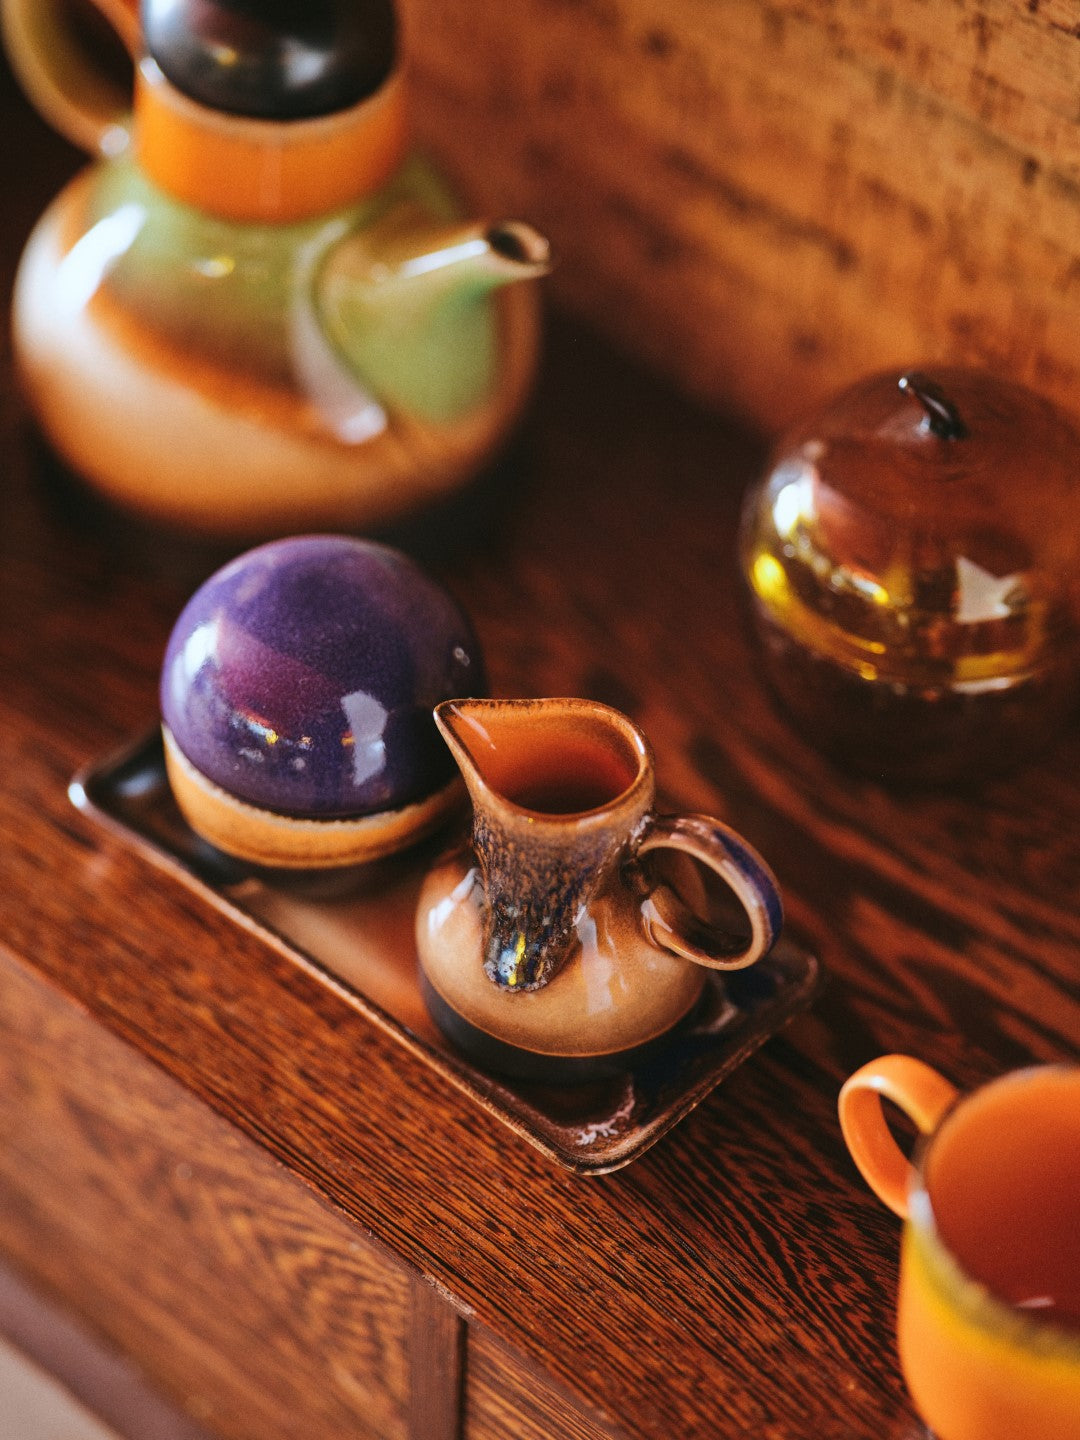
(302, 676)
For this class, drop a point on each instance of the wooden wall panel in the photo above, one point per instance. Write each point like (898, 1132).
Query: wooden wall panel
(251, 1304)
(766, 200)
(102, 1380)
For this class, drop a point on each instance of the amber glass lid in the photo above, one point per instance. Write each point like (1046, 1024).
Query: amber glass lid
(273, 59)
(924, 528)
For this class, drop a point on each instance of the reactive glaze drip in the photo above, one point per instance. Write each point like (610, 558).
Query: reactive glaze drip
(544, 937)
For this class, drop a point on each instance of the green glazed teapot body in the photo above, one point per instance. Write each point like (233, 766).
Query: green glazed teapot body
(213, 334)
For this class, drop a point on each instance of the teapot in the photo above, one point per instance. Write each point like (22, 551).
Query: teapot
(549, 948)
(259, 310)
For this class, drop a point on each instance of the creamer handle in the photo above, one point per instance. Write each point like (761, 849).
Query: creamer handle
(722, 850)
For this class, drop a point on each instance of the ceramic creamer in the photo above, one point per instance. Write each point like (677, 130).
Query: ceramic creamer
(547, 946)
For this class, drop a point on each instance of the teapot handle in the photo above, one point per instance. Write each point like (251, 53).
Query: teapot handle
(671, 924)
(65, 79)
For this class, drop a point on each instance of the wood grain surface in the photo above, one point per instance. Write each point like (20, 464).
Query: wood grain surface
(769, 200)
(257, 1311)
(504, 1397)
(436, 1365)
(103, 1379)
(736, 1280)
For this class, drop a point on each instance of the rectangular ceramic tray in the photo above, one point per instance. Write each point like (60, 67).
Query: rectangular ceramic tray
(362, 943)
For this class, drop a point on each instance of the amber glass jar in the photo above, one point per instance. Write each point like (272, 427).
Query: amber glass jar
(913, 561)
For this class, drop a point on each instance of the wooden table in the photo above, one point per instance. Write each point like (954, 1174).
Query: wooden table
(227, 1197)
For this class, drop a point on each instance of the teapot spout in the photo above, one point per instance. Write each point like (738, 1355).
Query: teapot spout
(414, 311)
(483, 255)
(396, 266)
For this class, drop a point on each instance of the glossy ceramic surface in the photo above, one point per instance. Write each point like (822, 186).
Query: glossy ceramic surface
(291, 316)
(546, 936)
(300, 678)
(361, 946)
(913, 557)
(988, 1317)
(275, 61)
(331, 849)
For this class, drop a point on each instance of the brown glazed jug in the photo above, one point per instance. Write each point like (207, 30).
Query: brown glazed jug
(547, 950)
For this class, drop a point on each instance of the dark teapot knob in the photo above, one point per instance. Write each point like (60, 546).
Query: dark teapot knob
(273, 59)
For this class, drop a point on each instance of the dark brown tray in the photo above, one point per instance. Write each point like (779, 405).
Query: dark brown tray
(362, 944)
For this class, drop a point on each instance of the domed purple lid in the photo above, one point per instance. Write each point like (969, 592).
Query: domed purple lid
(302, 676)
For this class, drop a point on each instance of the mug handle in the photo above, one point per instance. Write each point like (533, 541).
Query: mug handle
(62, 77)
(919, 1091)
(670, 923)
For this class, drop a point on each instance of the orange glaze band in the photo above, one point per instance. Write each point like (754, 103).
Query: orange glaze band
(266, 170)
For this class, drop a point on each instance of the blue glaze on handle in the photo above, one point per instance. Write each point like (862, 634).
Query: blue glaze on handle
(739, 865)
(301, 677)
(757, 874)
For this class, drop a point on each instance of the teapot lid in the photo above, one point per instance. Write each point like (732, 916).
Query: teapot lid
(273, 59)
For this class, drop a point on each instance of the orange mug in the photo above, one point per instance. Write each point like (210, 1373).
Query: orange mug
(988, 1318)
